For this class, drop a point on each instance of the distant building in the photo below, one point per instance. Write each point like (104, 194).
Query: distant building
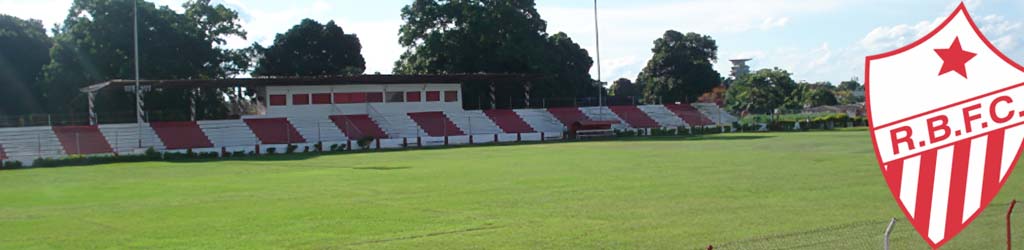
(739, 68)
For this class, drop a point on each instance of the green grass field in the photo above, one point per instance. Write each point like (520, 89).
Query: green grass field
(812, 190)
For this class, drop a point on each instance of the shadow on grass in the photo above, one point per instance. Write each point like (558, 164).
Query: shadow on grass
(381, 168)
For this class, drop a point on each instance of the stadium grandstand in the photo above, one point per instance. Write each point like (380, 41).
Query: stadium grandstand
(393, 111)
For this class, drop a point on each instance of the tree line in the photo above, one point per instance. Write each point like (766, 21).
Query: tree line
(43, 74)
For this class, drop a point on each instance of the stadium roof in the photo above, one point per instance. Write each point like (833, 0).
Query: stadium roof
(318, 80)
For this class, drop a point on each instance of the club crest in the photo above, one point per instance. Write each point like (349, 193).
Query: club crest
(945, 119)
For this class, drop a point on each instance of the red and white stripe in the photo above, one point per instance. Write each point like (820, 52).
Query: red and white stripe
(942, 189)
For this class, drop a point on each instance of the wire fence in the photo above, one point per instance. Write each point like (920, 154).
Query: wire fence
(988, 231)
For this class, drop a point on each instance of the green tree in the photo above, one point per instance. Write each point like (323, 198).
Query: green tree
(624, 87)
(813, 95)
(851, 85)
(681, 68)
(482, 36)
(761, 92)
(312, 49)
(94, 44)
(24, 49)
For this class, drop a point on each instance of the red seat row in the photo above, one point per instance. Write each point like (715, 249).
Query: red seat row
(689, 114)
(436, 123)
(3, 154)
(181, 135)
(82, 140)
(508, 121)
(274, 131)
(634, 116)
(568, 116)
(358, 126)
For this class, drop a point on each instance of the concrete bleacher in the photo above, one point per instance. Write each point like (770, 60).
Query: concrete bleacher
(436, 123)
(398, 125)
(473, 122)
(82, 140)
(568, 115)
(317, 129)
(541, 120)
(691, 115)
(603, 113)
(508, 121)
(634, 117)
(229, 133)
(358, 126)
(26, 144)
(124, 137)
(715, 113)
(181, 135)
(3, 153)
(663, 116)
(274, 131)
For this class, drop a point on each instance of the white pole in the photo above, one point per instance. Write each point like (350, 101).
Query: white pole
(138, 89)
(597, 40)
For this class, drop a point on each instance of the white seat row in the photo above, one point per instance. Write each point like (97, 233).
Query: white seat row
(29, 143)
(664, 117)
(541, 120)
(124, 137)
(318, 129)
(228, 133)
(715, 113)
(473, 122)
(603, 113)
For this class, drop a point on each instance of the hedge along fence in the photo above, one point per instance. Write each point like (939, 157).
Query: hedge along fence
(788, 122)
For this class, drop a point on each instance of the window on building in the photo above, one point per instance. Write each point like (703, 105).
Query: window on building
(342, 98)
(322, 98)
(300, 99)
(395, 96)
(278, 100)
(451, 96)
(412, 96)
(375, 97)
(433, 96)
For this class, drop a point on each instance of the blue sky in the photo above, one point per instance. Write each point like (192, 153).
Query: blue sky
(815, 40)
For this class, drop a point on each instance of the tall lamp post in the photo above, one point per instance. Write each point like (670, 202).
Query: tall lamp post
(138, 89)
(597, 40)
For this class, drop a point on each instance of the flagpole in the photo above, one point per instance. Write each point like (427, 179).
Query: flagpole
(138, 89)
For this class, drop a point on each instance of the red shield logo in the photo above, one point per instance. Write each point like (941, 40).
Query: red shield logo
(945, 115)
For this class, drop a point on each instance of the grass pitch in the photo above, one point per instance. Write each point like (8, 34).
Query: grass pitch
(813, 190)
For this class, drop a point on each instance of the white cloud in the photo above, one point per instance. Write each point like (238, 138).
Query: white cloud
(50, 12)
(771, 23)
(629, 31)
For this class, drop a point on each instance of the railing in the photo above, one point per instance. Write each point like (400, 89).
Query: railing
(381, 120)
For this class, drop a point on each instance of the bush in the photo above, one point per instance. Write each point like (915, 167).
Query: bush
(271, 151)
(13, 165)
(290, 149)
(334, 147)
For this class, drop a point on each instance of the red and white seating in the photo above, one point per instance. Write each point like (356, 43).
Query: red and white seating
(124, 137)
(509, 121)
(473, 122)
(691, 115)
(663, 116)
(358, 126)
(82, 140)
(603, 113)
(181, 135)
(317, 129)
(274, 131)
(634, 117)
(541, 120)
(229, 134)
(3, 153)
(568, 115)
(436, 123)
(715, 113)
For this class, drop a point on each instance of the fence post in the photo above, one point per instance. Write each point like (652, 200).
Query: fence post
(1008, 213)
(888, 231)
